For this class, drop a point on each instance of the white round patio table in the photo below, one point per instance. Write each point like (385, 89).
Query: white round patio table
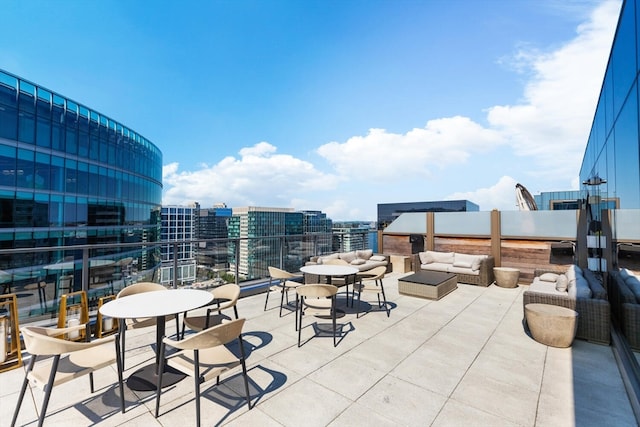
(158, 304)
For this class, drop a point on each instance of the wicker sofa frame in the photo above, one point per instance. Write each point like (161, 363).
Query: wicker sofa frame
(594, 314)
(484, 278)
(625, 308)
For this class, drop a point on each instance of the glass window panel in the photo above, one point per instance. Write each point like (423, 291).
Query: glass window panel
(622, 63)
(26, 127)
(25, 169)
(8, 161)
(42, 171)
(466, 223)
(83, 178)
(71, 176)
(57, 174)
(8, 121)
(43, 132)
(70, 211)
(56, 210)
(57, 127)
(627, 161)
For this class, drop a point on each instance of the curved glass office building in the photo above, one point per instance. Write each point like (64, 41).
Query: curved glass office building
(70, 176)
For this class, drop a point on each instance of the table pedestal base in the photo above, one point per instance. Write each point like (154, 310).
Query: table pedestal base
(146, 379)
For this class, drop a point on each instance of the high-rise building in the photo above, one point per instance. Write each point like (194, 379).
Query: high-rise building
(69, 176)
(179, 224)
(262, 233)
(213, 224)
(351, 236)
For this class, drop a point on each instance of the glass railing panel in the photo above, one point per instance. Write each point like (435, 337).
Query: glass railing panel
(561, 225)
(463, 223)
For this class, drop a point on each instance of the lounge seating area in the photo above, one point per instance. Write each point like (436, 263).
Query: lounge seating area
(470, 269)
(624, 296)
(363, 260)
(427, 363)
(577, 289)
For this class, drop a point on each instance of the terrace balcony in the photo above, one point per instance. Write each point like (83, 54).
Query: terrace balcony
(463, 360)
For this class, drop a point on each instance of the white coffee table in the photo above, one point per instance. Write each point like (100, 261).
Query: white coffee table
(158, 304)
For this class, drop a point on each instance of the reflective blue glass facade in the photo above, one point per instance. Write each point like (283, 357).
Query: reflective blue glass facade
(613, 149)
(70, 175)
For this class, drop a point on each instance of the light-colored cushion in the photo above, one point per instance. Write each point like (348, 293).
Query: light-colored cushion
(562, 283)
(549, 277)
(465, 261)
(572, 273)
(425, 258)
(461, 264)
(633, 283)
(357, 261)
(543, 287)
(444, 257)
(365, 255)
(348, 256)
(378, 258)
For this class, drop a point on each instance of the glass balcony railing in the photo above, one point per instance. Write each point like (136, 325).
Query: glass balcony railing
(102, 270)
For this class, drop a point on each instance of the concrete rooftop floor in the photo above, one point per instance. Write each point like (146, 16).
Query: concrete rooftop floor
(463, 360)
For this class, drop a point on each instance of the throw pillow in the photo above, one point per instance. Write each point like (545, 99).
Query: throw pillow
(378, 258)
(549, 277)
(357, 261)
(582, 288)
(444, 257)
(366, 254)
(348, 256)
(425, 257)
(562, 283)
(461, 264)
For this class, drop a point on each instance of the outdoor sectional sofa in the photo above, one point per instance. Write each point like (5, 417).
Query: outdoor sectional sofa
(362, 260)
(580, 290)
(624, 296)
(471, 269)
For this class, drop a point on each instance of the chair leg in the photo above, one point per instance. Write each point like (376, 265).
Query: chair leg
(268, 292)
(359, 303)
(333, 314)
(196, 377)
(123, 327)
(25, 383)
(301, 309)
(48, 387)
(235, 311)
(384, 297)
(244, 369)
(159, 388)
(283, 290)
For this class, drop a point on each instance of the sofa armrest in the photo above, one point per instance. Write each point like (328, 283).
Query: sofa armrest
(486, 270)
(415, 262)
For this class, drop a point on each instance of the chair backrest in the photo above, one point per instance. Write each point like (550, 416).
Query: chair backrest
(316, 291)
(212, 337)
(375, 273)
(140, 287)
(230, 292)
(277, 273)
(42, 341)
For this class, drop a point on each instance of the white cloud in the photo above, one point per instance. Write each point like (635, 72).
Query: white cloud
(259, 177)
(501, 196)
(547, 131)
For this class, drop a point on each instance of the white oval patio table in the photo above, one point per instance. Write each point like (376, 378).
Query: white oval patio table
(158, 304)
(333, 270)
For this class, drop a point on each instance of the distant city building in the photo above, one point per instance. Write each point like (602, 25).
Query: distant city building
(351, 236)
(388, 212)
(213, 224)
(260, 229)
(568, 200)
(179, 224)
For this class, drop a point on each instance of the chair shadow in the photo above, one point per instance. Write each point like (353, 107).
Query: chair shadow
(230, 392)
(325, 330)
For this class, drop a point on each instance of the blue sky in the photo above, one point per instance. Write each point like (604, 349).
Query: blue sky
(332, 105)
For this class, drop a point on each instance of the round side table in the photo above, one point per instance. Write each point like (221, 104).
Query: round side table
(506, 277)
(551, 324)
